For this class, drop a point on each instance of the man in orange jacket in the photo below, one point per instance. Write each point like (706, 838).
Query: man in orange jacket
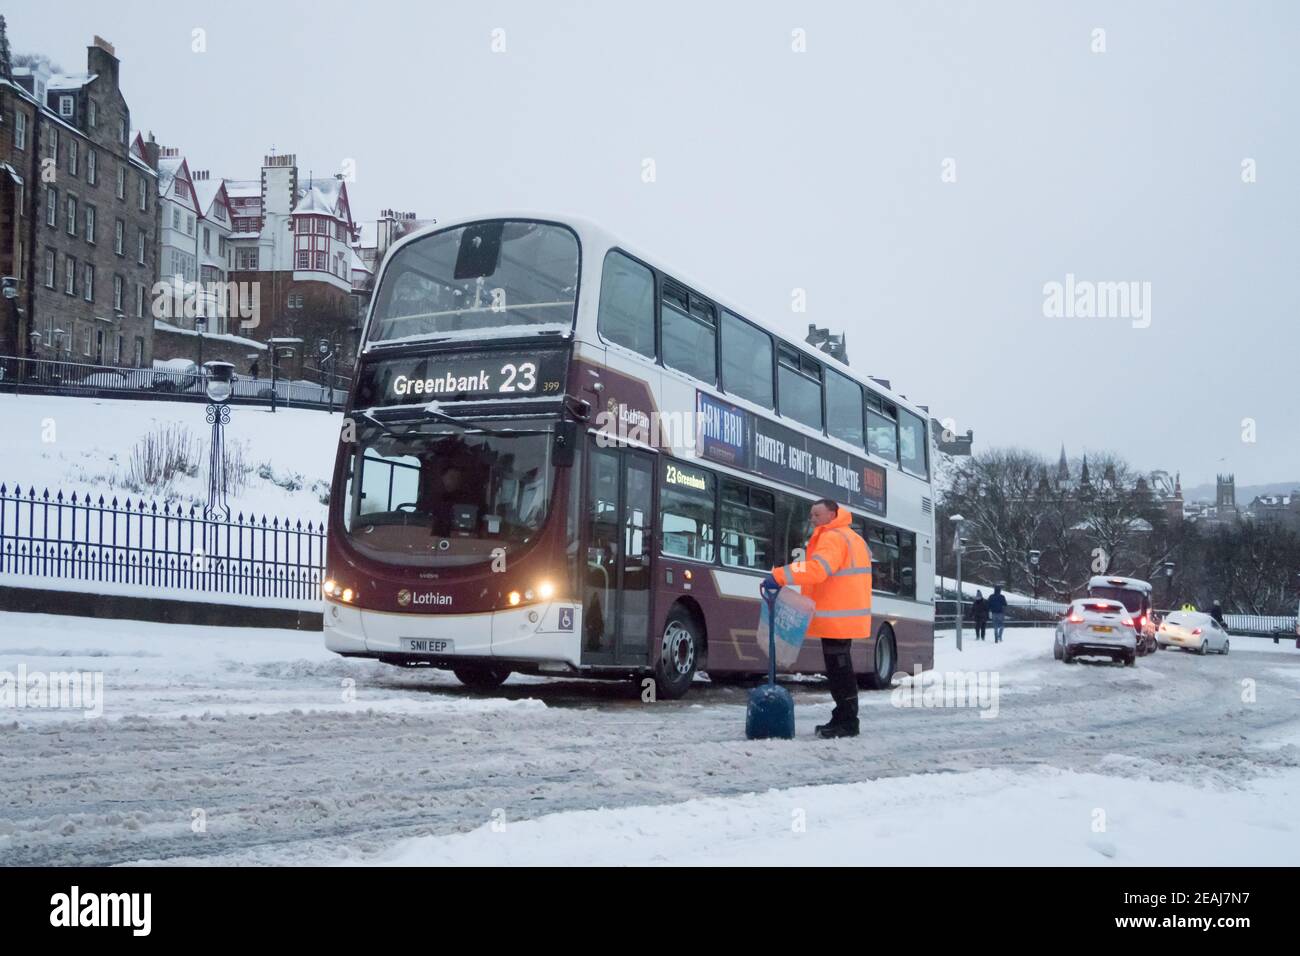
(836, 573)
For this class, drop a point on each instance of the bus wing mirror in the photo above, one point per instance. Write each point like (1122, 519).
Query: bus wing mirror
(565, 443)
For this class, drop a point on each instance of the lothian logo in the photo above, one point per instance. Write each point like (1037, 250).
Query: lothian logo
(405, 598)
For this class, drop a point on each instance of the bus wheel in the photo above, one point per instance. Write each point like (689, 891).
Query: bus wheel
(482, 678)
(679, 649)
(882, 675)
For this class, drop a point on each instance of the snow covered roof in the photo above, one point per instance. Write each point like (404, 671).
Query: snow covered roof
(330, 197)
(357, 264)
(70, 81)
(330, 189)
(244, 188)
(1276, 499)
(313, 202)
(168, 167)
(1115, 581)
(207, 191)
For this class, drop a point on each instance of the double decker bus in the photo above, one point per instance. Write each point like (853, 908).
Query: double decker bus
(561, 457)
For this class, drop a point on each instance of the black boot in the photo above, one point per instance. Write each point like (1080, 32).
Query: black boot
(848, 728)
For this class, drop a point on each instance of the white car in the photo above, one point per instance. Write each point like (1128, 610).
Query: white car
(1192, 631)
(1096, 627)
(105, 379)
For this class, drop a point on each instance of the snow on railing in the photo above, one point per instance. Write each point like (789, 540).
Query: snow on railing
(171, 383)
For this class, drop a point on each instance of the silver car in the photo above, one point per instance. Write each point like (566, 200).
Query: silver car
(1096, 627)
(1192, 631)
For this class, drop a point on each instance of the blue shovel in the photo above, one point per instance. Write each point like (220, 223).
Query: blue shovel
(771, 708)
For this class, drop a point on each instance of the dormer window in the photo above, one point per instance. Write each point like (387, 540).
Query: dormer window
(66, 106)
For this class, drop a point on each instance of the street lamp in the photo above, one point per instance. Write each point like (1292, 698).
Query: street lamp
(61, 340)
(957, 546)
(1169, 584)
(276, 352)
(219, 385)
(1034, 557)
(323, 349)
(200, 326)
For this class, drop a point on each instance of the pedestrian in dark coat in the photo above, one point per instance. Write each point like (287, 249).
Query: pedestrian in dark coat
(998, 611)
(1216, 612)
(980, 611)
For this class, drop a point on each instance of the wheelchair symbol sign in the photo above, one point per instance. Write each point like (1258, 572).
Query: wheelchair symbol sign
(566, 619)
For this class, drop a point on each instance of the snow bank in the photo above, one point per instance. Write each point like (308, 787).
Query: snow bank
(1043, 817)
(84, 445)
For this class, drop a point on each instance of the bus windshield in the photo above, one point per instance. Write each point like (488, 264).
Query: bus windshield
(429, 496)
(497, 274)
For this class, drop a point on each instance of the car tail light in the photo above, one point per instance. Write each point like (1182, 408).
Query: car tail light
(1127, 622)
(1195, 631)
(1075, 618)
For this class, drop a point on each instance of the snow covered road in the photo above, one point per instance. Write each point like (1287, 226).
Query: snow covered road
(243, 745)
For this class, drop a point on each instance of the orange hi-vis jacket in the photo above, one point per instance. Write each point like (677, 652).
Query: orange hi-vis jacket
(836, 574)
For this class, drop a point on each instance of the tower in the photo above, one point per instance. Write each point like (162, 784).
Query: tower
(1225, 493)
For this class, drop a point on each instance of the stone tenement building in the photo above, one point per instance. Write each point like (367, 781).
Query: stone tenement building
(292, 236)
(80, 213)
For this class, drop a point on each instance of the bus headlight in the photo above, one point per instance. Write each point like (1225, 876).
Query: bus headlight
(546, 590)
(513, 598)
(334, 590)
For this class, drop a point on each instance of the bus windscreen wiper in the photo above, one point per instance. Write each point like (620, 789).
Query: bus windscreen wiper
(433, 411)
(444, 419)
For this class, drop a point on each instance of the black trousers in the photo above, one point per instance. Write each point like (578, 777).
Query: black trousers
(844, 683)
(979, 629)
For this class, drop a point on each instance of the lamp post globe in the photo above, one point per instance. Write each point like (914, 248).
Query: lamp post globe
(220, 381)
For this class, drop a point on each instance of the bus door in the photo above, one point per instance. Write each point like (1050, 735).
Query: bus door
(618, 520)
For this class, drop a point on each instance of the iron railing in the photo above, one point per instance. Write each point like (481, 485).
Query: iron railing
(163, 549)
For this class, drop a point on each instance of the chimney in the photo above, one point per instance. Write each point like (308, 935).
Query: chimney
(151, 151)
(101, 59)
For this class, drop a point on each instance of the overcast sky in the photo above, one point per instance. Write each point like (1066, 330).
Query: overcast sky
(824, 170)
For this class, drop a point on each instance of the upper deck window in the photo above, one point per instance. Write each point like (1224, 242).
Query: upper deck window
(843, 408)
(690, 330)
(911, 443)
(799, 381)
(627, 304)
(882, 427)
(484, 277)
(746, 361)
